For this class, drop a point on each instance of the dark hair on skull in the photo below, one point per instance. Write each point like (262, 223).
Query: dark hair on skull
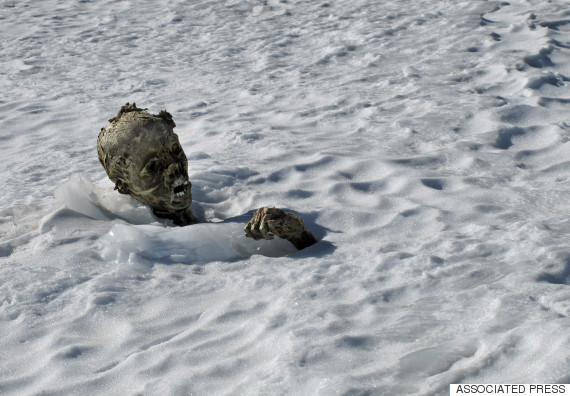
(142, 155)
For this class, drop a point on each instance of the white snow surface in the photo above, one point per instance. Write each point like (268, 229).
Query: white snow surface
(426, 143)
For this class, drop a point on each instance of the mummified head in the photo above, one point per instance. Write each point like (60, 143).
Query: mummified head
(143, 157)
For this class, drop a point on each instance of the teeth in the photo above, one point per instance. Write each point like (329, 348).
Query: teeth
(179, 188)
(180, 181)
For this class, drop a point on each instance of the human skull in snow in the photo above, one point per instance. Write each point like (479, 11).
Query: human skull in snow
(143, 157)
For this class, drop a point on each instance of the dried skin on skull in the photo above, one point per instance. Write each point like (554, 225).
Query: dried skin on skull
(143, 157)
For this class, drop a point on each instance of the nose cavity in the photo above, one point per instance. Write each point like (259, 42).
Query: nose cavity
(173, 172)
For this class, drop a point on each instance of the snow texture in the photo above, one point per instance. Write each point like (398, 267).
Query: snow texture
(426, 144)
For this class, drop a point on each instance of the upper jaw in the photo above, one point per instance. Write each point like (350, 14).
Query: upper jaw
(180, 191)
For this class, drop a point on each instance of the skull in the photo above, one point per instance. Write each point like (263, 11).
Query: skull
(143, 157)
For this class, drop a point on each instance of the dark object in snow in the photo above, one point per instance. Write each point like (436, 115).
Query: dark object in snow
(142, 155)
(272, 221)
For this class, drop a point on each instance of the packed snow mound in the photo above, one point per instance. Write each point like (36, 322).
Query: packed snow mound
(100, 203)
(157, 243)
(200, 243)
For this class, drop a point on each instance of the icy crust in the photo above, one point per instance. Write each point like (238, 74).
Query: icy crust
(197, 244)
(200, 243)
(100, 202)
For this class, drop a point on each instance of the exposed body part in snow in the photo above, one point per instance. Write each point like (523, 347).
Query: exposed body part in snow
(143, 157)
(272, 221)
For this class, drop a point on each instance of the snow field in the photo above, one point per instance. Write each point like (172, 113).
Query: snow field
(425, 144)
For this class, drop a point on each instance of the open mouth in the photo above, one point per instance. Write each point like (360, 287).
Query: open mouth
(180, 189)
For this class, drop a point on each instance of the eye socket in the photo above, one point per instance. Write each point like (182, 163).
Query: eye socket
(152, 167)
(177, 150)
